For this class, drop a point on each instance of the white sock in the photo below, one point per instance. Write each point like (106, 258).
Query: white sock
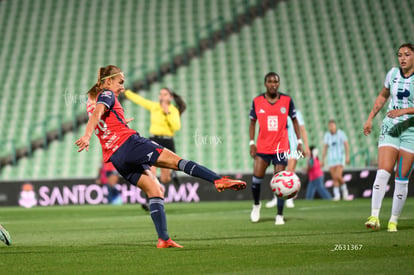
(394, 218)
(336, 192)
(398, 201)
(378, 191)
(344, 189)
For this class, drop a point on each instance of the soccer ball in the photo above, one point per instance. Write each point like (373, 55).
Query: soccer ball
(285, 184)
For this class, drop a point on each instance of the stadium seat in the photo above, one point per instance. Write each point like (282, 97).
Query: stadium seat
(332, 57)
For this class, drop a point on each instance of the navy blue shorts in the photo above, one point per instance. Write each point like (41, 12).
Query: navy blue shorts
(136, 155)
(276, 159)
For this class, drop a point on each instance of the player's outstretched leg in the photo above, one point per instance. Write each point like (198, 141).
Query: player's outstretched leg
(221, 183)
(5, 236)
(169, 159)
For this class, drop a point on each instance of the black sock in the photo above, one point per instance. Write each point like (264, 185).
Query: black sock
(156, 208)
(196, 170)
(280, 205)
(256, 186)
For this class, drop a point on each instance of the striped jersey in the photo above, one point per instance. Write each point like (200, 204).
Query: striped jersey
(336, 147)
(112, 129)
(273, 135)
(293, 140)
(401, 95)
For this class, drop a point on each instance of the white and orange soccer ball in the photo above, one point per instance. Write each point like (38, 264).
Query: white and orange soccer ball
(285, 185)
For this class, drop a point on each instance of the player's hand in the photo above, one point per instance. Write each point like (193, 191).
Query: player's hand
(347, 161)
(128, 120)
(253, 150)
(307, 152)
(165, 107)
(367, 127)
(83, 143)
(395, 113)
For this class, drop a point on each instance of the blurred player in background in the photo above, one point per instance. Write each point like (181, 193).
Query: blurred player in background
(315, 176)
(133, 155)
(336, 144)
(271, 109)
(165, 121)
(396, 140)
(5, 236)
(109, 177)
(294, 154)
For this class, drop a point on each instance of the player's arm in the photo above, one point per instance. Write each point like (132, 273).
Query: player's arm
(379, 103)
(305, 139)
(296, 127)
(293, 116)
(139, 100)
(252, 131)
(346, 152)
(83, 142)
(325, 149)
(400, 112)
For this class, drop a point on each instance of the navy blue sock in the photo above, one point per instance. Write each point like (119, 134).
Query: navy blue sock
(196, 170)
(280, 205)
(256, 186)
(156, 208)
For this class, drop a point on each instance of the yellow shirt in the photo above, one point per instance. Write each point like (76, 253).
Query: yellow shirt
(161, 124)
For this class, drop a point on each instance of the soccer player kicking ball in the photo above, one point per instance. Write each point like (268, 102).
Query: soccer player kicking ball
(133, 155)
(271, 110)
(5, 236)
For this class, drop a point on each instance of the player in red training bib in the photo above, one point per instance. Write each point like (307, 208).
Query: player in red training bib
(133, 155)
(271, 110)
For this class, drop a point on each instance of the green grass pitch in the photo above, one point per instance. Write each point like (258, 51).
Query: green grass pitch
(319, 237)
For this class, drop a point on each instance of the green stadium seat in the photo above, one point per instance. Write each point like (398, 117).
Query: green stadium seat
(318, 47)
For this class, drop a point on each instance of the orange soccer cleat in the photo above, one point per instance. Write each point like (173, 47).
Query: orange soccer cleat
(227, 183)
(167, 244)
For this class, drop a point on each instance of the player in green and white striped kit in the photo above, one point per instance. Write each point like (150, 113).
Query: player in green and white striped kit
(336, 144)
(396, 140)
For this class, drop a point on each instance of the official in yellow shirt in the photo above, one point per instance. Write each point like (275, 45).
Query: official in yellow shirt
(165, 121)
